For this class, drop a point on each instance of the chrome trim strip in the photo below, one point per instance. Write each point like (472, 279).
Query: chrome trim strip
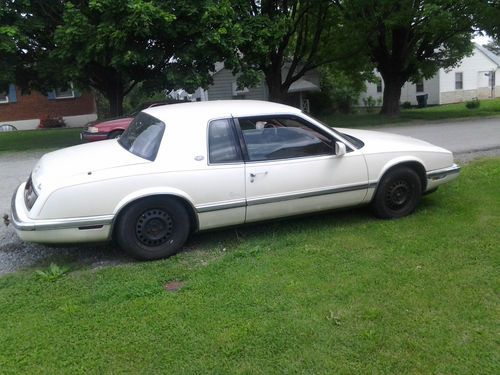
(282, 198)
(441, 173)
(328, 191)
(220, 206)
(69, 223)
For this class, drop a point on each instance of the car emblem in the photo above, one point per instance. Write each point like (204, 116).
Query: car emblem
(199, 158)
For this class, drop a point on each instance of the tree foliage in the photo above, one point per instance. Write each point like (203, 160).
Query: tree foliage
(410, 39)
(112, 45)
(281, 40)
(488, 17)
(26, 39)
(108, 45)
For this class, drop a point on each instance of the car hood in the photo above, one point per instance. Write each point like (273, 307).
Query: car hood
(376, 141)
(82, 160)
(122, 121)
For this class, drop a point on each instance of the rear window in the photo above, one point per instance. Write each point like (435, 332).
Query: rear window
(143, 136)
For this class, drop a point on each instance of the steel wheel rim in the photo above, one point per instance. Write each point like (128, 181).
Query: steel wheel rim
(398, 195)
(154, 227)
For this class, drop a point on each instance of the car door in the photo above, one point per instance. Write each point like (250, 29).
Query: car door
(222, 183)
(291, 168)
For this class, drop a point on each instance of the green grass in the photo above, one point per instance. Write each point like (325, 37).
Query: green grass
(338, 293)
(39, 139)
(435, 113)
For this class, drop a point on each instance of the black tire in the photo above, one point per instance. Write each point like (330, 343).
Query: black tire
(153, 228)
(115, 134)
(398, 194)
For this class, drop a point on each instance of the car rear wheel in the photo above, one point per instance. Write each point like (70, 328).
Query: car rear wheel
(115, 134)
(153, 228)
(398, 194)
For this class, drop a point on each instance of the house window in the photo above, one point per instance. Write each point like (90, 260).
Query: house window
(420, 86)
(459, 81)
(65, 92)
(379, 85)
(4, 97)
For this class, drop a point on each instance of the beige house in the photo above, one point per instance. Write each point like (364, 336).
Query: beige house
(477, 76)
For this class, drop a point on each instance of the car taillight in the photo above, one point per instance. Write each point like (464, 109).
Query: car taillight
(30, 195)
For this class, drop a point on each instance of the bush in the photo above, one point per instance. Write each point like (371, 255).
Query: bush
(473, 104)
(369, 103)
(48, 122)
(406, 105)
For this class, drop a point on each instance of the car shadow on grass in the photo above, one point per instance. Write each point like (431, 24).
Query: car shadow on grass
(99, 255)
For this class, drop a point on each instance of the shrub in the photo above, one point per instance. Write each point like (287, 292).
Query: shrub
(406, 105)
(48, 121)
(472, 104)
(369, 103)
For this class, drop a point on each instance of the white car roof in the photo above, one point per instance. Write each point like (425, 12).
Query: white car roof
(218, 109)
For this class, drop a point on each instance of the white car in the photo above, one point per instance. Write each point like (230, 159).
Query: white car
(196, 166)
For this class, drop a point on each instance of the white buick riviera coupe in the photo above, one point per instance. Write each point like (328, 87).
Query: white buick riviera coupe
(195, 166)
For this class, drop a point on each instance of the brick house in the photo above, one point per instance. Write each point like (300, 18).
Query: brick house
(25, 110)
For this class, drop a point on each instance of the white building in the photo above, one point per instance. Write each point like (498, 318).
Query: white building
(477, 76)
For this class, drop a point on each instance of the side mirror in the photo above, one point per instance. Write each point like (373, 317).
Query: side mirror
(340, 149)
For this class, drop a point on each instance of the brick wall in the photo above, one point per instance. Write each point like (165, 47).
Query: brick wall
(35, 105)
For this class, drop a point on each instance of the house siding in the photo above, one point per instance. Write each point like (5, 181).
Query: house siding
(26, 112)
(222, 88)
(441, 87)
(408, 91)
(475, 82)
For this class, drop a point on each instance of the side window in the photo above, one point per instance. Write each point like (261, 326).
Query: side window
(222, 143)
(281, 137)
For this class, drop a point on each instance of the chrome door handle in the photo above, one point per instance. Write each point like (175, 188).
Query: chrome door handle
(254, 175)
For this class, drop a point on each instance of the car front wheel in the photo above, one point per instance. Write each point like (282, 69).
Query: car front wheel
(153, 228)
(398, 194)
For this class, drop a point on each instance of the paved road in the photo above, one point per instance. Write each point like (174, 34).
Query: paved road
(467, 139)
(461, 137)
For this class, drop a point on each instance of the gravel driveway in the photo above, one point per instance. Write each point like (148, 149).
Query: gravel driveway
(15, 254)
(467, 139)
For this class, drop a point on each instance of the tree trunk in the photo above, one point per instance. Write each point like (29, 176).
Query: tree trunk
(392, 94)
(275, 87)
(115, 99)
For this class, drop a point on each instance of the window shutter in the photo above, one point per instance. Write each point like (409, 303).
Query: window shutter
(51, 95)
(77, 93)
(12, 93)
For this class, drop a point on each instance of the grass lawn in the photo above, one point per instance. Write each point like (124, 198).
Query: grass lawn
(338, 293)
(435, 113)
(39, 139)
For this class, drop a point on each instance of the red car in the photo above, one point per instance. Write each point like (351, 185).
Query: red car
(113, 128)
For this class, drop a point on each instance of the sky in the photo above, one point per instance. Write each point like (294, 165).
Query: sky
(482, 40)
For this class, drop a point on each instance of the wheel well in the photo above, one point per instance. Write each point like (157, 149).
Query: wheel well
(416, 166)
(193, 218)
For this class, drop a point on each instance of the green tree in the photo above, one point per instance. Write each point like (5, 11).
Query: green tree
(410, 39)
(112, 45)
(26, 39)
(281, 40)
(9, 34)
(488, 17)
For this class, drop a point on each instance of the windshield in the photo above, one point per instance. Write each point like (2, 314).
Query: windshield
(354, 141)
(143, 136)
